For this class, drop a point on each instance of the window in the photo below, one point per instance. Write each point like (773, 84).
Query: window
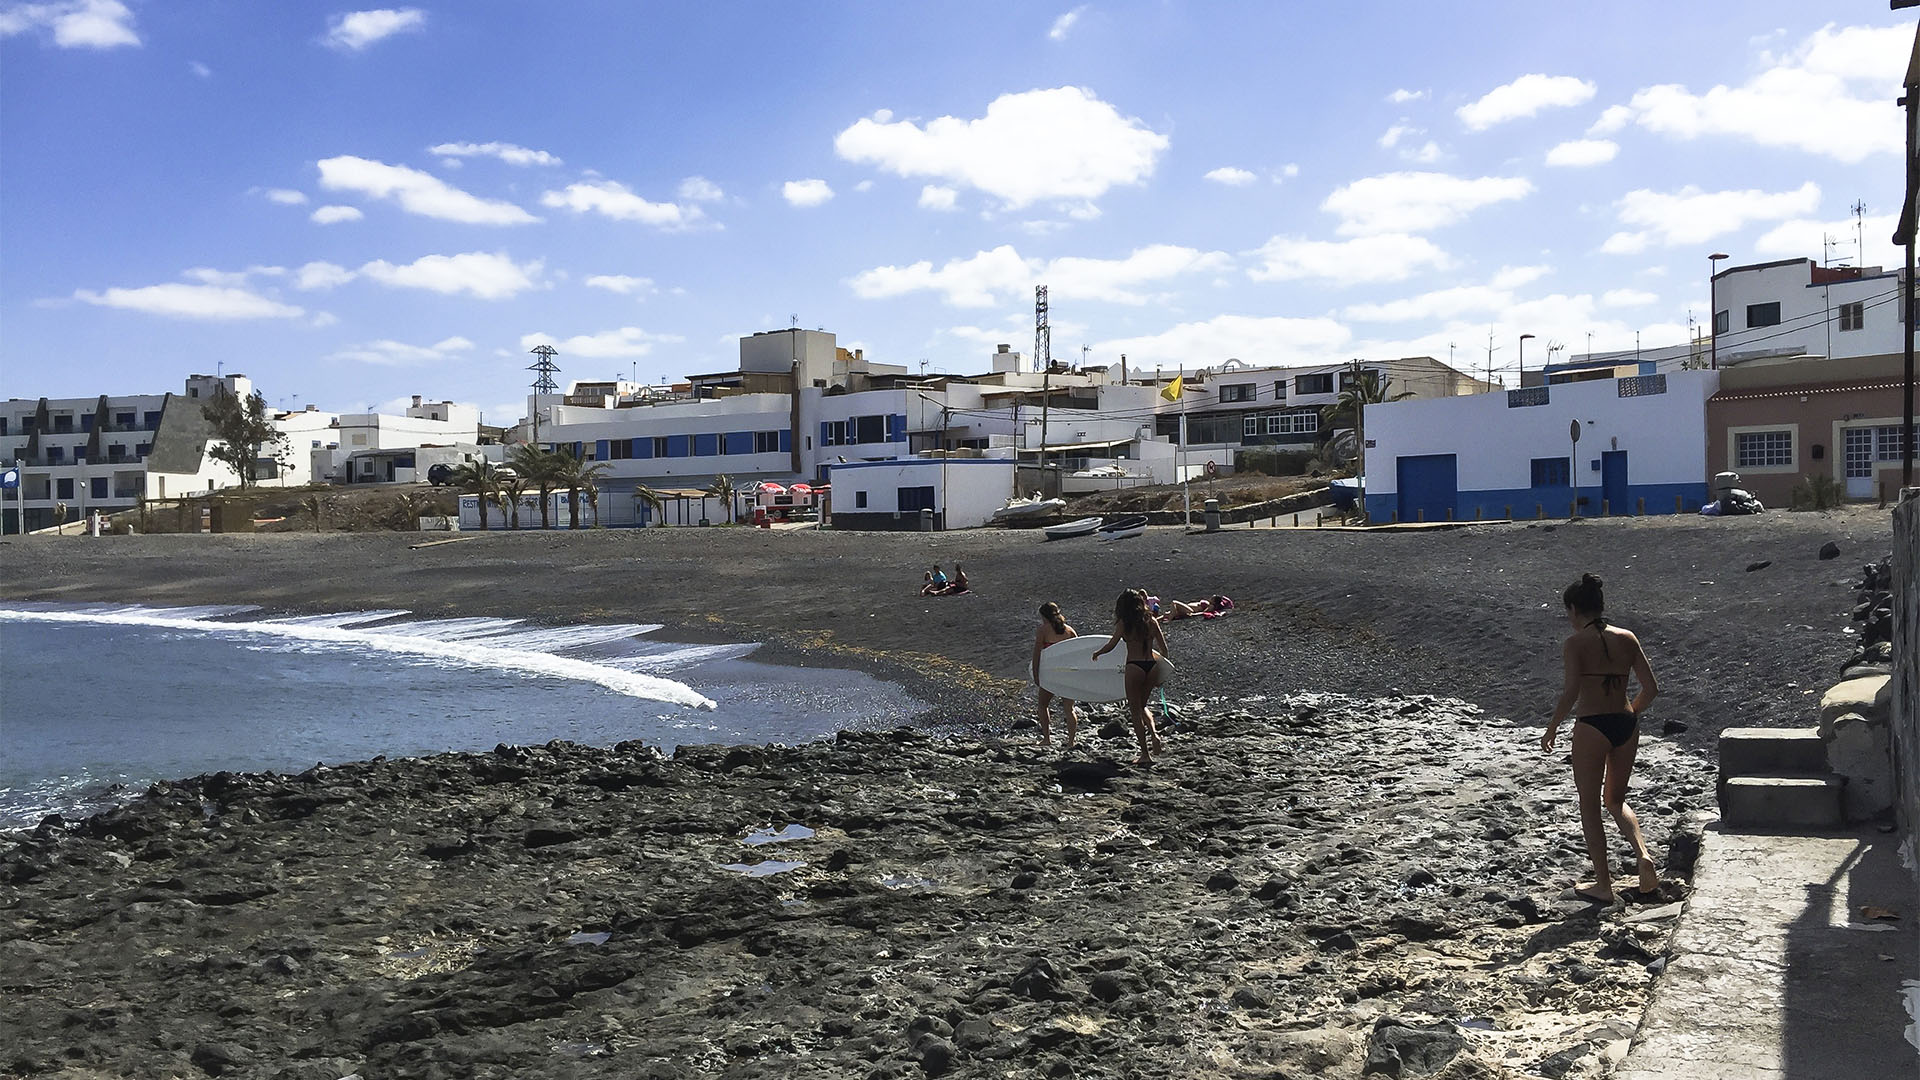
(1853, 316)
(1552, 472)
(99, 486)
(859, 500)
(707, 445)
(63, 488)
(150, 421)
(141, 450)
(1722, 321)
(766, 442)
(1346, 377)
(659, 446)
(1236, 392)
(912, 500)
(870, 429)
(56, 453)
(1251, 425)
(1759, 449)
(1528, 396)
(116, 452)
(63, 423)
(1887, 440)
(1767, 314)
(123, 421)
(1314, 384)
(3, 425)
(833, 433)
(86, 421)
(1279, 389)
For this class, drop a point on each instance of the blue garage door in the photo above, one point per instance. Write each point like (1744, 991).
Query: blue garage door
(1429, 486)
(1613, 481)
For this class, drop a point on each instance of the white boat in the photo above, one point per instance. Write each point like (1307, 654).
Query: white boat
(1083, 527)
(1121, 528)
(1027, 507)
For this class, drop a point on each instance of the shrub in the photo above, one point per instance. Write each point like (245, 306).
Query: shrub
(1816, 491)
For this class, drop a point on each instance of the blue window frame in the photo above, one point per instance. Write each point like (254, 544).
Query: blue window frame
(706, 445)
(678, 445)
(1551, 472)
(738, 442)
(643, 447)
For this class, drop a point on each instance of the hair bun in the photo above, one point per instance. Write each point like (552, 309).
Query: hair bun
(1590, 580)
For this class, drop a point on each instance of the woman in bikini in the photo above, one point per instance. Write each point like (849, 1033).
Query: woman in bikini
(1606, 734)
(1053, 630)
(1134, 624)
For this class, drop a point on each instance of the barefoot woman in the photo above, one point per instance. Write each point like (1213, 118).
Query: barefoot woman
(1606, 735)
(1053, 630)
(1134, 624)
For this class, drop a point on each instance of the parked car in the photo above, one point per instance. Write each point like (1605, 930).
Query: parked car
(440, 475)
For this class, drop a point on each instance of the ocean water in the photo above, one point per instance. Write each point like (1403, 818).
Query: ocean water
(99, 700)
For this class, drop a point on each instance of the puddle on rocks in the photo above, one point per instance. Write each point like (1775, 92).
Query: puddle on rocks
(764, 869)
(777, 836)
(586, 938)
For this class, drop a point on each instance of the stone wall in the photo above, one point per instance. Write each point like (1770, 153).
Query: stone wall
(1906, 668)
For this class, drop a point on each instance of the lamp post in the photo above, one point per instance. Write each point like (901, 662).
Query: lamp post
(1713, 302)
(1522, 378)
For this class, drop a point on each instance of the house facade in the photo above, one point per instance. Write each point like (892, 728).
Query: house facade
(960, 492)
(1641, 446)
(1776, 424)
(1796, 307)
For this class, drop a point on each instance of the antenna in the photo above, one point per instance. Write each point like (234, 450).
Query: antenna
(1490, 351)
(544, 370)
(793, 321)
(1084, 350)
(1859, 233)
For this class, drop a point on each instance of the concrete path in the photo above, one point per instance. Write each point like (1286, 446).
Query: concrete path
(1777, 973)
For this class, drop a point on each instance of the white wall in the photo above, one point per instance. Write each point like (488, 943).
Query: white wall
(1666, 433)
(966, 490)
(1809, 313)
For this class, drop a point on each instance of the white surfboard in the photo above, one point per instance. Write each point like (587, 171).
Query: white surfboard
(1069, 670)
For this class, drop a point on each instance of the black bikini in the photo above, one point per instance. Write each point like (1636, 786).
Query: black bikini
(1618, 727)
(1144, 665)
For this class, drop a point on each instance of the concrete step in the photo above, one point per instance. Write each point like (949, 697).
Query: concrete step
(1771, 751)
(1782, 802)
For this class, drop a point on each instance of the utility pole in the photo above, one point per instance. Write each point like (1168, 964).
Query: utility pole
(1360, 435)
(544, 370)
(1490, 350)
(1043, 351)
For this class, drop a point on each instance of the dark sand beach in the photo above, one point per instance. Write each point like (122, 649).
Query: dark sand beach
(1353, 857)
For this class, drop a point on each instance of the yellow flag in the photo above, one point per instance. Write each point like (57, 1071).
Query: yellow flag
(1172, 390)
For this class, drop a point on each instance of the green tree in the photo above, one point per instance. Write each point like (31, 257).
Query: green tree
(573, 474)
(510, 491)
(540, 468)
(651, 499)
(590, 473)
(245, 432)
(722, 489)
(481, 478)
(1349, 409)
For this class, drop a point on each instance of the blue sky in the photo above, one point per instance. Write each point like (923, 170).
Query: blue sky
(354, 205)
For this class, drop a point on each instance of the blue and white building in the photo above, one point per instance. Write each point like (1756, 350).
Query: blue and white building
(1642, 442)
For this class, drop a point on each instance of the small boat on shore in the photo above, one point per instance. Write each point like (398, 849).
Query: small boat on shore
(1069, 530)
(1027, 507)
(1120, 528)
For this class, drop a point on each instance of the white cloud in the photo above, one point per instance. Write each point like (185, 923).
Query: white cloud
(1512, 277)
(935, 197)
(321, 275)
(1627, 298)
(1576, 153)
(323, 319)
(628, 341)
(863, 186)
(700, 189)
(1038, 145)
(1287, 172)
(1612, 119)
(487, 276)
(200, 69)
(1411, 202)
(621, 283)
(1425, 154)
(220, 303)
(416, 192)
(1401, 97)
(1524, 97)
(395, 353)
(806, 192)
(507, 152)
(1230, 176)
(356, 30)
(1271, 340)
(612, 199)
(286, 196)
(1495, 296)
(1692, 216)
(1807, 238)
(984, 278)
(1393, 135)
(1387, 257)
(232, 278)
(76, 24)
(1827, 97)
(1064, 24)
(334, 214)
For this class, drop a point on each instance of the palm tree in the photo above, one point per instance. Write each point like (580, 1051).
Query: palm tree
(510, 491)
(589, 474)
(722, 489)
(479, 478)
(1367, 388)
(650, 498)
(539, 468)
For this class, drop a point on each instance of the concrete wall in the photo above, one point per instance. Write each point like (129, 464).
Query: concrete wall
(1494, 442)
(1816, 418)
(1906, 669)
(966, 491)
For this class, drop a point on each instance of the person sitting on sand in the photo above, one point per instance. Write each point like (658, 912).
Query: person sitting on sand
(935, 581)
(1606, 734)
(956, 586)
(1134, 624)
(1170, 610)
(1053, 630)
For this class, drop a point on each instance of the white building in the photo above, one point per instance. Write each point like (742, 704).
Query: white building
(362, 448)
(1795, 307)
(106, 453)
(1642, 441)
(961, 493)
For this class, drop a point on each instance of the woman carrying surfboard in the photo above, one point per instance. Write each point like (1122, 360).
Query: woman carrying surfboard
(1146, 645)
(1053, 630)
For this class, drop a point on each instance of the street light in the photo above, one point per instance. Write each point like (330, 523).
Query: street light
(1713, 301)
(1522, 380)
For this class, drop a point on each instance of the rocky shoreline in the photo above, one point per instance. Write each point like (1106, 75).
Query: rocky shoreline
(1306, 886)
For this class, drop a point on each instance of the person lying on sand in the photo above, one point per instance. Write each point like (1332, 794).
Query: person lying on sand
(1134, 624)
(956, 586)
(1052, 631)
(1169, 610)
(1597, 660)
